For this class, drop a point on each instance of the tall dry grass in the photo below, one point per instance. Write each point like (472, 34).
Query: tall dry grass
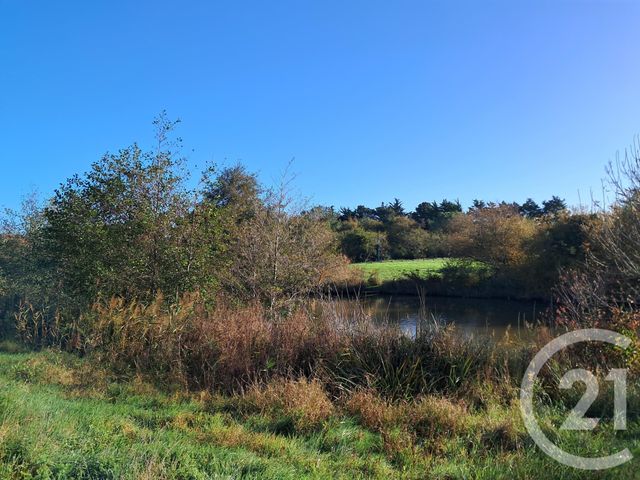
(229, 348)
(221, 347)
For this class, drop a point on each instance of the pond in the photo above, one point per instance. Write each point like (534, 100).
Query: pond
(472, 316)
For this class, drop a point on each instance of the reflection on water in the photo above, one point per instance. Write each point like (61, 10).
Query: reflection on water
(473, 316)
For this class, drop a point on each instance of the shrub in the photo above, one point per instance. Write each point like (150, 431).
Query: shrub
(361, 245)
(372, 411)
(496, 235)
(433, 417)
(304, 401)
(404, 424)
(464, 272)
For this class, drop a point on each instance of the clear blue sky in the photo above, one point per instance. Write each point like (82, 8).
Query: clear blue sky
(375, 100)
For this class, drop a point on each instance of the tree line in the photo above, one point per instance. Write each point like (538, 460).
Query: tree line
(132, 228)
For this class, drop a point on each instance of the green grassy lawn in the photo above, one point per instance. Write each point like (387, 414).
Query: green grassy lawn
(389, 270)
(61, 418)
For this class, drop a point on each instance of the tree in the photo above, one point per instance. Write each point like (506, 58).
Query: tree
(282, 253)
(21, 263)
(426, 214)
(605, 288)
(361, 245)
(434, 216)
(27, 276)
(3, 284)
(396, 207)
(345, 214)
(447, 207)
(531, 209)
(234, 188)
(554, 206)
(496, 235)
(406, 239)
(125, 228)
(559, 244)
(384, 213)
(478, 204)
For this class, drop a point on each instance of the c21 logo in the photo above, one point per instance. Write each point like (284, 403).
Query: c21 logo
(576, 419)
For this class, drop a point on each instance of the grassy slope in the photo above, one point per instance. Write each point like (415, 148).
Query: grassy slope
(389, 270)
(61, 419)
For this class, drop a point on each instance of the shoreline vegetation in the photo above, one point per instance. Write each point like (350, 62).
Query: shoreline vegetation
(63, 416)
(194, 392)
(151, 330)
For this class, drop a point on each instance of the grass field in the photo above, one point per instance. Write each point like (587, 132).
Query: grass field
(389, 270)
(61, 418)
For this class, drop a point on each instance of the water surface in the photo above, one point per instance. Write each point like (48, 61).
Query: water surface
(472, 316)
